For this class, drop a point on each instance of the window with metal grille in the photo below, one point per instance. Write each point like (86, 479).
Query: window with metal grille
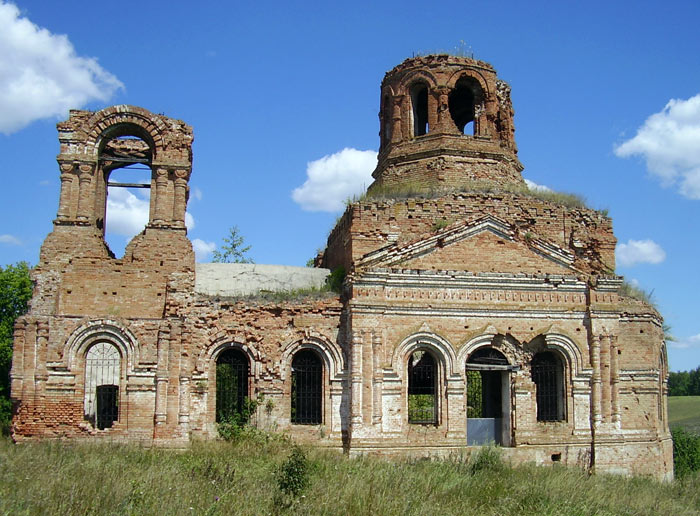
(422, 388)
(102, 375)
(232, 370)
(548, 375)
(307, 388)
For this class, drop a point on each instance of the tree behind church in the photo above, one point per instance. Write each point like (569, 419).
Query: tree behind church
(15, 293)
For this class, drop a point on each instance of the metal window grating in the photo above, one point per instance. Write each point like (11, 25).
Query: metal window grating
(232, 370)
(307, 388)
(548, 377)
(422, 379)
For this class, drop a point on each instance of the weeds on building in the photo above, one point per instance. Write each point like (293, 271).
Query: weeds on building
(415, 190)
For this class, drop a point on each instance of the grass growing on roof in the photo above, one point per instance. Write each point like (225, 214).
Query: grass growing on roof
(411, 190)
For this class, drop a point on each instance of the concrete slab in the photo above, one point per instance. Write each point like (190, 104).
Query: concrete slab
(241, 279)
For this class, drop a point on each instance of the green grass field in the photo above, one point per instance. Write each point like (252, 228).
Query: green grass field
(66, 478)
(684, 411)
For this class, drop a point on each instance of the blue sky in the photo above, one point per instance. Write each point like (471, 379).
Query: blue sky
(284, 94)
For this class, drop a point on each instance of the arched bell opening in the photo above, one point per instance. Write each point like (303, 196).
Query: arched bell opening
(125, 157)
(463, 102)
(419, 108)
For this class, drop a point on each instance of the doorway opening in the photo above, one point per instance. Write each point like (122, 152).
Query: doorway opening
(488, 398)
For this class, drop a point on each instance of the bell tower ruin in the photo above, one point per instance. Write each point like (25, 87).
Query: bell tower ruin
(445, 122)
(92, 146)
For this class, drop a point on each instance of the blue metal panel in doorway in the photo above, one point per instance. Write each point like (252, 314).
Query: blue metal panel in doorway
(483, 430)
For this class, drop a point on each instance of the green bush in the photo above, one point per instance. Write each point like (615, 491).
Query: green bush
(5, 415)
(293, 475)
(686, 452)
(232, 426)
(336, 279)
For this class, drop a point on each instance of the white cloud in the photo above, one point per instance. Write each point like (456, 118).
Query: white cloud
(535, 187)
(639, 251)
(197, 193)
(688, 342)
(334, 178)
(9, 239)
(41, 75)
(669, 141)
(127, 214)
(202, 249)
(189, 221)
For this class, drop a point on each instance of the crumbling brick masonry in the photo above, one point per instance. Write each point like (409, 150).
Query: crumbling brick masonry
(472, 312)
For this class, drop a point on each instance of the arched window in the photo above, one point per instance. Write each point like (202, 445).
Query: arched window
(422, 388)
(462, 101)
(419, 105)
(387, 119)
(232, 370)
(102, 374)
(307, 388)
(548, 375)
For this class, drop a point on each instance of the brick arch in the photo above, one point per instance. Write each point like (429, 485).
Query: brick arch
(439, 346)
(223, 341)
(414, 77)
(482, 341)
(133, 120)
(330, 354)
(471, 74)
(103, 330)
(388, 90)
(566, 347)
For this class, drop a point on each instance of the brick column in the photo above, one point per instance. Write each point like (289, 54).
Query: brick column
(396, 129)
(356, 379)
(377, 379)
(605, 397)
(614, 381)
(84, 196)
(444, 120)
(65, 195)
(595, 381)
(17, 371)
(161, 408)
(186, 367)
(160, 197)
(42, 344)
(180, 197)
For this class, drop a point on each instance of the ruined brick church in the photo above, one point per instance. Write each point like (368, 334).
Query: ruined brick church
(472, 311)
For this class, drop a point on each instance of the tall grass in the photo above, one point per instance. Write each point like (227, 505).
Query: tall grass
(409, 190)
(243, 478)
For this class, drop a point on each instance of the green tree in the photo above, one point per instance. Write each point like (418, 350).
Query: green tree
(678, 383)
(15, 293)
(232, 250)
